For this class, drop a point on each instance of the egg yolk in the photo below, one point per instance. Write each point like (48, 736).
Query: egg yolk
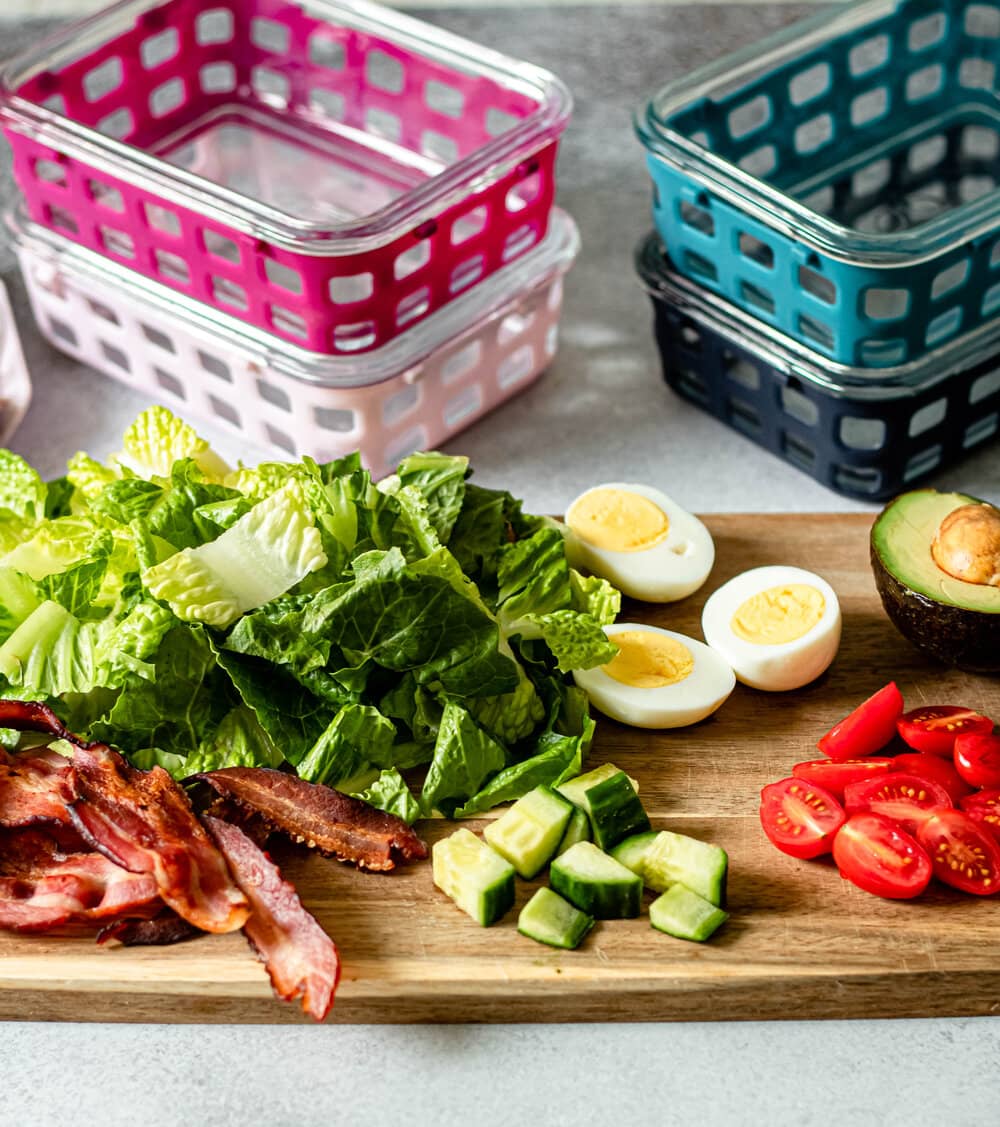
(648, 661)
(779, 614)
(618, 521)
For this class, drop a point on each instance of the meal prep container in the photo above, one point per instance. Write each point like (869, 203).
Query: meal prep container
(328, 170)
(838, 179)
(866, 435)
(413, 393)
(15, 382)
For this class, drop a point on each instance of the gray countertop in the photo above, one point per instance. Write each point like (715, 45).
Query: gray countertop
(601, 413)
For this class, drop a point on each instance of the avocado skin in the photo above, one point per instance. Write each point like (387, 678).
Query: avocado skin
(968, 639)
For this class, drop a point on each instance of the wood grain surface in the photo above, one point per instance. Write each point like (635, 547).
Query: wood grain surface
(801, 943)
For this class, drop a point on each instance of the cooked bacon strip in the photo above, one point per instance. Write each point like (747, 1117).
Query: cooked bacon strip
(163, 929)
(43, 889)
(336, 824)
(30, 716)
(143, 821)
(35, 787)
(301, 959)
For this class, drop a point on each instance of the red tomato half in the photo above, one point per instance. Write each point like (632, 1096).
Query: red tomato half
(907, 799)
(977, 759)
(800, 818)
(935, 727)
(876, 855)
(868, 728)
(833, 775)
(984, 807)
(934, 768)
(963, 853)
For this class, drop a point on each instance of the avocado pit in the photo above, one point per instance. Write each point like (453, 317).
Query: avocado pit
(967, 544)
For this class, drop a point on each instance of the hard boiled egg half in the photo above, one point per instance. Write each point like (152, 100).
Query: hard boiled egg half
(639, 539)
(778, 627)
(658, 679)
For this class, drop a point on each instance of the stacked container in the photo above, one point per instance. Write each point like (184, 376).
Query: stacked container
(320, 223)
(826, 264)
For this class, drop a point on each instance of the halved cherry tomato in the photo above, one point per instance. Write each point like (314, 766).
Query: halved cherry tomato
(868, 728)
(934, 768)
(834, 775)
(963, 853)
(984, 807)
(876, 855)
(907, 799)
(935, 727)
(800, 818)
(977, 759)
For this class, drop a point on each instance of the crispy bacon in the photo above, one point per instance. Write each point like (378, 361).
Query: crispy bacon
(30, 716)
(301, 959)
(163, 929)
(336, 824)
(35, 787)
(143, 821)
(43, 889)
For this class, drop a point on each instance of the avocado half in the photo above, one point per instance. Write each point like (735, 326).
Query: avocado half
(956, 622)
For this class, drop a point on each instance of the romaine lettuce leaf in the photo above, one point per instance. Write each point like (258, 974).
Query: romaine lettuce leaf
(22, 491)
(89, 477)
(239, 741)
(262, 556)
(51, 652)
(157, 439)
(389, 792)
(18, 598)
(595, 596)
(440, 479)
(465, 756)
(356, 739)
(478, 533)
(576, 641)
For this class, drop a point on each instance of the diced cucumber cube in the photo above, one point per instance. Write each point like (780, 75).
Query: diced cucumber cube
(685, 915)
(530, 831)
(677, 859)
(596, 883)
(609, 797)
(480, 881)
(550, 919)
(577, 829)
(632, 851)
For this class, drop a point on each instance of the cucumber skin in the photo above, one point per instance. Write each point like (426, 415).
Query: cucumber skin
(615, 811)
(632, 851)
(578, 830)
(686, 915)
(660, 871)
(539, 921)
(607, 899)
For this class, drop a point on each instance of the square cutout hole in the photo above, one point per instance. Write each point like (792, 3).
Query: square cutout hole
(283, 276)
(159, 49)
(215, 367)
(859, 433)
(214, 26)
(225, 411)
(470, 224)
(928, 417)
(749, 117)
(103, 79)
(756, 250)
(170, 383)
(444, 99)
(817, 285)
(274, 395)
(334, 418)
(950, 279)
(354, 288)
(412, 260)
(886, 305)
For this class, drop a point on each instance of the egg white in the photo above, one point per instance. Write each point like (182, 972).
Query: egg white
(664, 573)
(773, 668)
(669, 706)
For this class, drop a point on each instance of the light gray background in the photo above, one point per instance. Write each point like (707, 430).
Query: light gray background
(601, 413)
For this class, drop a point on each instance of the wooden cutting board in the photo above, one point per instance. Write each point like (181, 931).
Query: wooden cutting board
(801, 943)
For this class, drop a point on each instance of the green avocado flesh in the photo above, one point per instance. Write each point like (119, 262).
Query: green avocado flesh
(902, 538)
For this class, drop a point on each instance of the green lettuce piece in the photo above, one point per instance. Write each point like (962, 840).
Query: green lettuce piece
(18, 598)
(292, 716)
(356, 739)
(411, 617)
(13, 530)
(389, 792)
(440, 479)
(51, 652)
(465, 756)
(239, 741)
(146, 758)
(414, 532)
(576, 641)
(510, 717)
(596, 597)
(125, 499)
(178, 706)
(22, 491)
(416, 707)
(534, 577)
(78, 587)
(157, 439)
(557, 758)
(89, 477)
(264, 554)
(59, 498)
(478, 533)
(127, 644)
(53, 546)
